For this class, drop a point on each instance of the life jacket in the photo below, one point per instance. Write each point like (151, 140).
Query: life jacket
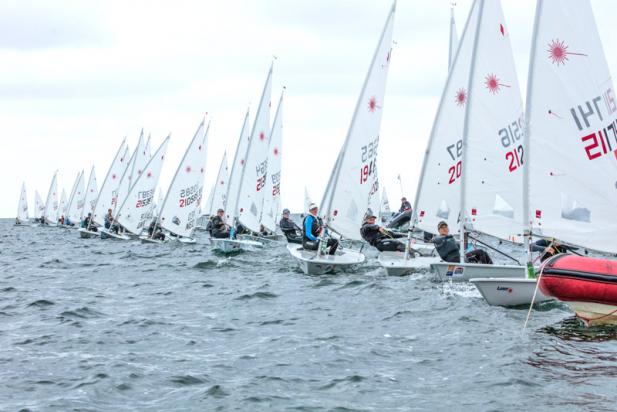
(448, 248)
(315, 227)
(370, 233)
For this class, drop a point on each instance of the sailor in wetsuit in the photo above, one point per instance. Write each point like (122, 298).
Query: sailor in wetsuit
(548, 248)
(311, 227)
(405, 205)
(219, 227)
(449, 249)
(291, 231)
(379, 237)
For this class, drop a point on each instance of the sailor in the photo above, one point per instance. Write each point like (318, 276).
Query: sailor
(17, 221)
(68, 221)
(154, 231)
(291, 231)
(405, 205)
(61, 220)
(449, 249)
(379, 237)
(219, 227)
(311, 228)
(42, 220)
(88, 225)
(109, 219)
(548, 248)
(263, 231)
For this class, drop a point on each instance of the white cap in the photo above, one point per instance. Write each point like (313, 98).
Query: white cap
(312, 206)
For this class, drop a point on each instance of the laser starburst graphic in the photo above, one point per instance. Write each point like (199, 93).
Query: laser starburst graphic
(461, 97)
(491, 81)
(188, 169)
(262, 136)
(372, 104)
(558, 52)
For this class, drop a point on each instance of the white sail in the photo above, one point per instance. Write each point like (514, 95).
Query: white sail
(217, 198)
(91, 196)
(439, 188)
(307, 200)
(63, 203)
(106, 197)
(71, 195)
(385, 204)
(272, 197)
(354, 183)
(252, 186)
(39, 206)
(52, 204)
(179, 210)
(137, 208)
(131, 171)
(76, 202)
(571, 115)
(22, 207)
(493, 152)
(237, 169)
(453, 39)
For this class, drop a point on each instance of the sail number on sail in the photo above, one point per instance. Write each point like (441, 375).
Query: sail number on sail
(190, 195)
(276, 183)
(261, 170)
(509, 136)
(455, 151)
(597, 143)
(369, 160)
(144, 198)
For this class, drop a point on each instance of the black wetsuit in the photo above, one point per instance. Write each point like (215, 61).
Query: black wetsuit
(405, 206)
(383, 243)
(310, 244)
(448, 250)
(219, 228)
(290, 230)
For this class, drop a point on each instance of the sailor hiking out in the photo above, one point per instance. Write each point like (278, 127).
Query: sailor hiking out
(291, 231)
(219, 228)
(449, 249)
(379, 237)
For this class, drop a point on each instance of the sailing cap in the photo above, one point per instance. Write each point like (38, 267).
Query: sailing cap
(285, 211)
(219, 211)
(312, 206)
(442, 224)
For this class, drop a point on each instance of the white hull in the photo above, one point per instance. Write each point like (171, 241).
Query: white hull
(395, 263)
(87, 234)
(227, 245)
(313, 264)
(509, 292)
(106, 234)
(462, 272)
(148, 239)
(264, 240)
(425, 249)
(187, 240)
(595, 313)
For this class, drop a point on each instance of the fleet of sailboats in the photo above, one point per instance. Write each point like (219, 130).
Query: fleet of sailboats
(492, 167)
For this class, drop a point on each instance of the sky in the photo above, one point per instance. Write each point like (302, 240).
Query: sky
(77, 77)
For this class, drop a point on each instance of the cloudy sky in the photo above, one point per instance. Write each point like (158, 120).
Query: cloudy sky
(76, 77)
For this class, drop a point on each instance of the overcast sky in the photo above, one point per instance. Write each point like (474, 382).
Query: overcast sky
(77, 76)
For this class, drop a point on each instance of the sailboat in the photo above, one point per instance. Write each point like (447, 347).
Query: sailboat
(271, 204)
(107, 196)
(384, 210)
(137, 208)
(179, 210)
(76, 201)
(90, 198)
(62, 207)
(39, 207)
(472, 172)
(50, 215)
(128, 171)
(353, 185)
(22, 208)
(246, 190)
(569, 186)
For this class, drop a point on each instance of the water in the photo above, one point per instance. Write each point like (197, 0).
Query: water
(112, 326)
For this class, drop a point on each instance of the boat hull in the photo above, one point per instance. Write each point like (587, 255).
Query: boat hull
(226, 245)
(311, 263)
(587, 285)
(106, 234)
(462, 272)
(508, 292)
(87, 234)
(395, 263)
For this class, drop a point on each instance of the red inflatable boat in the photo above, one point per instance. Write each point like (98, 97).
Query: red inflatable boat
(588, 285)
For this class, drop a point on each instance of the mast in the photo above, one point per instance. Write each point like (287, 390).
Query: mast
(234, 170)
(336, 172)
(451, 52)
(526, 138)
(463, 214)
